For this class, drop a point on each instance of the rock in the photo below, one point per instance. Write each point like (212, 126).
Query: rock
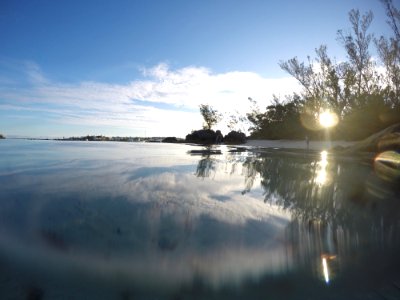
(219, 137)
(170, 139)
(208, 136)
(204, 136)
(235, 137)
(205, 152)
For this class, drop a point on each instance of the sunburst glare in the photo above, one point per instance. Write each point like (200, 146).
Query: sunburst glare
(328, 119)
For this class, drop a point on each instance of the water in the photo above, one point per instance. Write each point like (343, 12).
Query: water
(87, 220)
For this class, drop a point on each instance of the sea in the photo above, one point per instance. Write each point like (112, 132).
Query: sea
(125, 220)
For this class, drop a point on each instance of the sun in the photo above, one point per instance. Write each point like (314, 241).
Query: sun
(328, 119)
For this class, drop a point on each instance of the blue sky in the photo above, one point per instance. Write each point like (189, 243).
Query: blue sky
(137, 68)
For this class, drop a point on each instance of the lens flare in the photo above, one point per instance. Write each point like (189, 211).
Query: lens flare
(328, 119)
(387, 165)
(325, 270)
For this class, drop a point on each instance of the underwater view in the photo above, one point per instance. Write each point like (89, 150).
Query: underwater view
(109, 220)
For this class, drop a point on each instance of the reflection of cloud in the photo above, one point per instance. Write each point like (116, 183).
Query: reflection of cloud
(176, 190)
(163, 95)
(167, 227)
(123, 215)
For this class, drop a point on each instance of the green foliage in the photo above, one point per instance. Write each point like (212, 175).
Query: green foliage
(281, 120)
(372, 117)
(210, 116)
(364, 100)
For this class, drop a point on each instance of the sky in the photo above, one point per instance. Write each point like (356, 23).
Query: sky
(142, 68)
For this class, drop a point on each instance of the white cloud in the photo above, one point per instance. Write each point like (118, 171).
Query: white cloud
(193, 86)
(34, 73)
(168, 99)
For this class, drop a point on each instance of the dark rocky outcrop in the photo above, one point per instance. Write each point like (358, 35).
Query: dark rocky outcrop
(235, 137)
(170, 139)
(204, 136)
(205, 152)
(219, 137)
(208, 137)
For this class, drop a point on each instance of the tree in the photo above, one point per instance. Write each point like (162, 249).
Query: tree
(357, 45)
(394, 17)
(320, 80)
(255, 117)
(210, 116)
(389, 53)
(237, 122)
(364, 98)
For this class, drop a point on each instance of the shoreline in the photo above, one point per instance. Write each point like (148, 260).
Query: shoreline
(297, 144)
(253, 143)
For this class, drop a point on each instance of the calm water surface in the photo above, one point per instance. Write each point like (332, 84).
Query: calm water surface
(88, 220)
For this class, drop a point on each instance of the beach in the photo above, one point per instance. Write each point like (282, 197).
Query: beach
(298, 144)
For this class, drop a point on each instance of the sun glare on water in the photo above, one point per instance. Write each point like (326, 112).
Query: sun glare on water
(328, 119)
(325, 269)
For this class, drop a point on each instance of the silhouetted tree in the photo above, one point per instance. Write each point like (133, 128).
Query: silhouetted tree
(364, 100)
(357, 45)
(389, 53)
(210, 116)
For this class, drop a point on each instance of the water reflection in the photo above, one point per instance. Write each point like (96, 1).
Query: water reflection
(206, 166)
(322, 177)
(272, 224)
(342, 213)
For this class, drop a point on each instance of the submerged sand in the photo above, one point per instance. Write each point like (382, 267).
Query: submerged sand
(298, 144)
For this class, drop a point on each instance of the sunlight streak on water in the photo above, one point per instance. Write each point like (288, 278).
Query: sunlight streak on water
(325, 270)
(322, 175)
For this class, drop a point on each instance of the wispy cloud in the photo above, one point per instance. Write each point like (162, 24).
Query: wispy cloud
(164, 101)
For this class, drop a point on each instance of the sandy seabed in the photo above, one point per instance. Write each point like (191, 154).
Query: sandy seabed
(297, 144)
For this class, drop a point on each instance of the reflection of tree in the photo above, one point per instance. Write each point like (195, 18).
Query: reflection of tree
(314, 187)
(232, 163)
(297, 184)
(340, 211)
(205, 166)
(251, 171)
